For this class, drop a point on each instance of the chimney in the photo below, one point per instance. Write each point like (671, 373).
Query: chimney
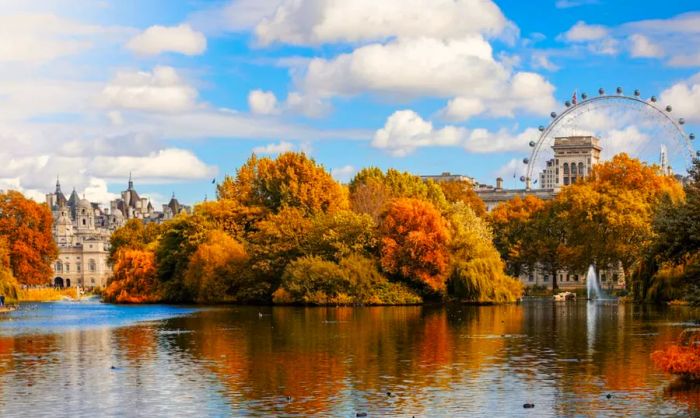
(499, 184)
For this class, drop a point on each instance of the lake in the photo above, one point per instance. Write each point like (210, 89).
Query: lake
(92, 359)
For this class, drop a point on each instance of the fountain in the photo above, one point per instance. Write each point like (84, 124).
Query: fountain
(592, 287)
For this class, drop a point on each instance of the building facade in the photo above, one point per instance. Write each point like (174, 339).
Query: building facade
(574, 158)
(82, 232)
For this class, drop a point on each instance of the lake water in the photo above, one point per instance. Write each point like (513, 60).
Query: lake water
(93, 360)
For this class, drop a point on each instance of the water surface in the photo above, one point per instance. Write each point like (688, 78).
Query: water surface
(92, 359)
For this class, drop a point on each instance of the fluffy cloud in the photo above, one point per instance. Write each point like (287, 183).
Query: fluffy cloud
(582, 32)
(161, 90)
(405, 131)
(642, 47)
(158, 39)
(262, 102)
(41, 37)
(312, 22)
(343, 174)
(165, 165)
(279, 148)
(685, 98)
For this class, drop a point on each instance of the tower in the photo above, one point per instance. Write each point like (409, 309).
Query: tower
(663, 160)
(574, 157)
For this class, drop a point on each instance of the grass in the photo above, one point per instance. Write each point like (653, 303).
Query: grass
(46, 294)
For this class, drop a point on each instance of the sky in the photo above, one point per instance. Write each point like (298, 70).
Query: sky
(180, 93)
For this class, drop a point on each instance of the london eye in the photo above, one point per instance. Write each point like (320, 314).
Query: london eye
(642, 128)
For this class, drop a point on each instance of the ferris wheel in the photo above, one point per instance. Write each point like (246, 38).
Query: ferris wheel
(642, 128)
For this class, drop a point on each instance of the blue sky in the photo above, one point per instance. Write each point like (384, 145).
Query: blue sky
(182, 92)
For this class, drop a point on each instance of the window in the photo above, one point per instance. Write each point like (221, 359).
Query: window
(92, 266)
(546, 279)
(84, 223)
(59, 266)
(530, 278)
(575, 277)
(92, 280)
(67, 268)
(573, 168)
(566, 168)
(566, 181)
(77, 268)
(580, 168)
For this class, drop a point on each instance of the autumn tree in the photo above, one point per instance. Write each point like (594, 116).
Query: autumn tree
(27, 228)
(477, 273)
(180, 238)
(397, 184)
(135, 235)
(214, 269)
(414, 239)
(545, 241)
(609, 214)
(8, 283)
(336, 235)
(290, 180)
(135, 278)
(509, 221)
(463, 191)
(231, 216)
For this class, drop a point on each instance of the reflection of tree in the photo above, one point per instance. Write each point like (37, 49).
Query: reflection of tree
(685, 393)
(138, 344)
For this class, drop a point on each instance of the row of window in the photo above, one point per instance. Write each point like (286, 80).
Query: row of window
(570, 277)
(573, 166)
(61, 267)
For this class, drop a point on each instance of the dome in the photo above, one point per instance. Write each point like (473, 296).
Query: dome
(85, 204)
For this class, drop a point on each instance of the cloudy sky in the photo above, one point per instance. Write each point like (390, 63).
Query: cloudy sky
(181, 92)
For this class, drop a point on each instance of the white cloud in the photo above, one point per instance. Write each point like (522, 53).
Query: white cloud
(313, 22)
(41, 37)
(582, 32)
(540, 60)
(236, 15)
(96, 191)
(642, 47)
(343, 174)
(278, 148)
(170, 164)
(684, 96)
(503, 140)
(462, 108)
(262, 102)
(161, 90)
(158, 39)
(405, 131)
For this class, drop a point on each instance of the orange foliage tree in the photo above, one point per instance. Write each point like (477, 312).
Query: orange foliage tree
(682, 359)
(214, 267)
(290, 180)
(414, 239)
(135, 278)
(463, 191)
(134, 235)
(27, 227)
(509, 221)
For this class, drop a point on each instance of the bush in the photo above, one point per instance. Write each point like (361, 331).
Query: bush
(135, 278)
(683, 359)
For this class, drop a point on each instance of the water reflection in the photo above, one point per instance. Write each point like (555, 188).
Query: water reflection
(422, 361)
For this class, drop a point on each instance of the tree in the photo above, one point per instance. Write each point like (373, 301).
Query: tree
(545, 241)
(214, 268)
(134, 235)
(414, 239)
(135, 278)
(370, 198)
(290, 180)
(179, 240)
(27, 227)
(609, 214)
(477, 271)
(8, 284)
(398, 184)
(336, 235)
(231, 216)
(509, 221)
(463, 191)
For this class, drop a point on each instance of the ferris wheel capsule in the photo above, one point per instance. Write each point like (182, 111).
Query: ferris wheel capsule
(691, 136)
(541, 128)
(637, 93)
(532, 143)
(653, 99)
(522, 178)
(619, 90)
(584, 96)
(697, 153)
(669, 108)
(601, 91)
(567, 103)
(681, 121)
(526, 161)
(553, 115)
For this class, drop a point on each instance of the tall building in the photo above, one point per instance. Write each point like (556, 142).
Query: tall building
(574, 157)
(82, 231)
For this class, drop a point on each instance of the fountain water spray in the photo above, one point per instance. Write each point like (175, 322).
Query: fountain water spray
(594, 291)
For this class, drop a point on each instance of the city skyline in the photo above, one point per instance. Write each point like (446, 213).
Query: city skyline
(183, 94)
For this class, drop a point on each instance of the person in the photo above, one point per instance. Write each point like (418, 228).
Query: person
(2, 300)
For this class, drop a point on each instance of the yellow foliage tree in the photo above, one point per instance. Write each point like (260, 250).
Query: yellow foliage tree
(214, 268)
(135, 278)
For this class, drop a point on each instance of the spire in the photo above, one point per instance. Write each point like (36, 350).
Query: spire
(58, 184)
(131, 182)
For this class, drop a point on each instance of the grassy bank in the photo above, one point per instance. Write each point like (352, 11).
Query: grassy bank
(46, 294)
